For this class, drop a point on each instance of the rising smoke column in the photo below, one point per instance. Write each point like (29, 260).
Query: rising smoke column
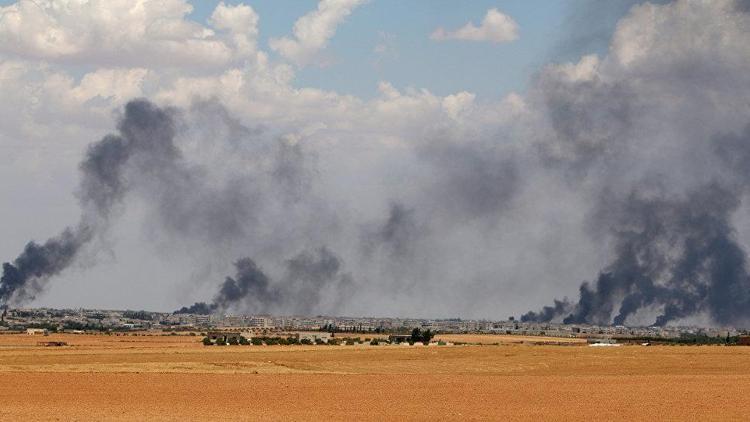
(308, 276)
(635, 132)
(146, 133)
(678, 257)
(249, 283)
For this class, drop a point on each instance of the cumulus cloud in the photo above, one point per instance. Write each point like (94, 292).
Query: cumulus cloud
(122, 33)
(313, 31)
(496, 27)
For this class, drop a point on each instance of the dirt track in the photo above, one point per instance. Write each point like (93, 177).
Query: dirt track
(131, 378)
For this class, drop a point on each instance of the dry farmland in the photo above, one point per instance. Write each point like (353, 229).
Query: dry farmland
(176, 378)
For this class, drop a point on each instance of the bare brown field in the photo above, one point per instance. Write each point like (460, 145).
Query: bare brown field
(507, 339)
(176, 378)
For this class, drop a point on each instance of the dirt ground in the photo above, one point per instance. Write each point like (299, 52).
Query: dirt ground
(176, 378)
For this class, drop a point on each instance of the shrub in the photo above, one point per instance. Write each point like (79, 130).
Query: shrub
(374, 342)
(305, 341)
(257, 341)
(207, 341)
(292, 340)
(220, 342)
(233, 341)
(243, 341)
(349, 342)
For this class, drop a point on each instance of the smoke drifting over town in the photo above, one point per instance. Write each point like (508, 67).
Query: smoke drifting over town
(628, 168)
(309, 277)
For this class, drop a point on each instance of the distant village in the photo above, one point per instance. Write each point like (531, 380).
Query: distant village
(44, 320)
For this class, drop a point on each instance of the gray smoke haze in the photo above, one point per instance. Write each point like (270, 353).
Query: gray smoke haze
(589, 23)
(145, 132)
(678, 257)
(665, 191)
(309, 278)
(627, 167)
(395, 235)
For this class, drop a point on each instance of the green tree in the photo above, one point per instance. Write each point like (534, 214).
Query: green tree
(416, 335)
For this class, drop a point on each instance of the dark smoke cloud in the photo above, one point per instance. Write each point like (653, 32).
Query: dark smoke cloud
(250, 285)
(250, 288)
(145, 132)
(198, 308)
(308, 278)
(396, 235)
(475, 181)
(743, 6)
(591, 120)
(678, 256)
(589, 24)
(185, 202)
(548, 313)
(602, 169)
(311, 277)
(633, 130)
(28, 274)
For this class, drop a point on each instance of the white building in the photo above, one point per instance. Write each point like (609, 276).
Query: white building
(37, 331)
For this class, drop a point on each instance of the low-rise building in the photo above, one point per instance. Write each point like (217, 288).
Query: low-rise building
(37, 331)
(223, 336)
(315, 337)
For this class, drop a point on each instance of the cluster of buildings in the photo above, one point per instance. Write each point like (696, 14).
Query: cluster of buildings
(78, 320)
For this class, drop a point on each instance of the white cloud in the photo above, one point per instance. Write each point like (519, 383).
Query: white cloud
(496, 27)
(126, 33)
(241, 22)
(312, 31)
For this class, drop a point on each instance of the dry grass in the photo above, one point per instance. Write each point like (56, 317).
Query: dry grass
(507, 339)
(176, 378)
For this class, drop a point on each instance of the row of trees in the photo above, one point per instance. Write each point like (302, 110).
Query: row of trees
(417, 336)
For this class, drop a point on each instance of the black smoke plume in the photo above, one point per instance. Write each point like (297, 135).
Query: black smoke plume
(308, 277)
(249, 283)
(144, 131)
(675, 257)
(28, 273)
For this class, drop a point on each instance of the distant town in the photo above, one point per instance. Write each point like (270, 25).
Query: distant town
(104, 321)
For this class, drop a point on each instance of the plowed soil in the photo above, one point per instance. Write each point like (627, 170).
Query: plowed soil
(176, 378)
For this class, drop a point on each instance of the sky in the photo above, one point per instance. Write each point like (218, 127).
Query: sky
(424, 158)
(389, 40)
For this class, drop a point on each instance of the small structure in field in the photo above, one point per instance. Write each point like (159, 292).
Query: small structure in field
(743, 340)
(51, 343)
(314, 337)
(37, 331)
(602, 342)
(399, 338)
(223, 336)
